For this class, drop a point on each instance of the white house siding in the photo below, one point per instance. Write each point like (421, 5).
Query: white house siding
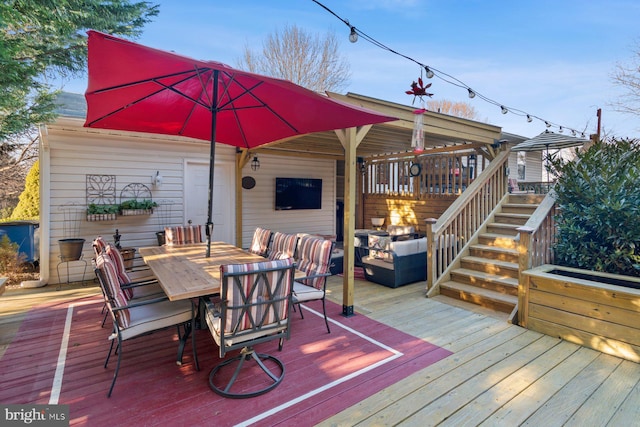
(259, 202)
(533, 166)
(534, 169)
(75, 151)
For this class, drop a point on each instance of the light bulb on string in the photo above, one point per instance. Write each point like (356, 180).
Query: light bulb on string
(472, 94)
(504, 109)
(353, 36)
(429, 72)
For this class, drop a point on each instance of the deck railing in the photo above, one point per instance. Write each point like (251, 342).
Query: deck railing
(538, 235)
(424, 176)
(448, 235)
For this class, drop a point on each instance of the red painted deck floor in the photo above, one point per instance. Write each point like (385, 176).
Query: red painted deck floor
(325, 373)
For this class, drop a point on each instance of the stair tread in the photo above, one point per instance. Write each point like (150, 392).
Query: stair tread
(520, 205)
(485, 293)
(488, 277)
(504, 225)
(504, 264)
(497, 236)
(481, 247)
(514, 215)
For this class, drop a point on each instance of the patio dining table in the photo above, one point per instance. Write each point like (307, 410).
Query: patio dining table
(184, 272)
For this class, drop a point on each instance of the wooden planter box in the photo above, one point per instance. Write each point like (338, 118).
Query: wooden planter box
(585, 310)
(101, 217)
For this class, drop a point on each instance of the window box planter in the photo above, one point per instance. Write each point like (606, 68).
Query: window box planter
(592, 309)
(128, 212)
(101, 217)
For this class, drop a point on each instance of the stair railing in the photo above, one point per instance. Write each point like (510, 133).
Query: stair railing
(449, 235)
(536, 239)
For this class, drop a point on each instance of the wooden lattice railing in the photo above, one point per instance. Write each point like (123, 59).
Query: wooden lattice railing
(448, 235)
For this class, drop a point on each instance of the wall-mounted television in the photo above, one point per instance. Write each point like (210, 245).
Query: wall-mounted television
(298, 193)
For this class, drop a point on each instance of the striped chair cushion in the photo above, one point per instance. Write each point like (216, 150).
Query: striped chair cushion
(183, 235)
(315, 258)
(282, 246)
(260, 242)
(250, 288)
(99, 245)
(116, 294)
(118, 261)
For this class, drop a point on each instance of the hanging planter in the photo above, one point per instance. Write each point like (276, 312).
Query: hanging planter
(137, 207)
(135, 199)
(102, 212)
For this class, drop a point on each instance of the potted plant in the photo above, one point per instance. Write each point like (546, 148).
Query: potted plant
(137, 207)
(97, 212)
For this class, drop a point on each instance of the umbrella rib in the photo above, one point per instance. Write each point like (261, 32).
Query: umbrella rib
(151, 80)
(248, 91)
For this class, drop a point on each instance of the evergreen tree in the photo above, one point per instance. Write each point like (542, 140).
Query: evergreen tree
(40, 39)
(29, 203)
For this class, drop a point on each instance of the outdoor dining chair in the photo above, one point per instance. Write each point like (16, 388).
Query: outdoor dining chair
(260, 241)
(183, 235)
(146, 286)
(254, 306)
(282, 246)
(135, 318)
(315, 261)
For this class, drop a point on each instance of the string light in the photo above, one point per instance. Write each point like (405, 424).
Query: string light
(434, 72)
(353, 36)
(430, 73)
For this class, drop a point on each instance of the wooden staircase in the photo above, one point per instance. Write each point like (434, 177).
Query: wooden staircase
(488, 275)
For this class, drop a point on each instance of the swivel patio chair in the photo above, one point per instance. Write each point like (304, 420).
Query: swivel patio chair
(260, 241)
(133, 319)
(254, 308)
(315, 262)
(282, 246)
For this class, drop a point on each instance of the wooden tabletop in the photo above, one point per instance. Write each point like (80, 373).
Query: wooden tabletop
(184, 272)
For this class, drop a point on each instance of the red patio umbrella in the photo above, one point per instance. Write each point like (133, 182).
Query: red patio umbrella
(138, 88)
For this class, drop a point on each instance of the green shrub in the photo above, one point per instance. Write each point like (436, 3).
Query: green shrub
(11, 261)
(598, 225)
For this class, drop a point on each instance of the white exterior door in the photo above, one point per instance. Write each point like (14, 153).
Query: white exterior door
(196, 199)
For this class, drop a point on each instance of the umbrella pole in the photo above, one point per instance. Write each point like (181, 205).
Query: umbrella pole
(212, 156)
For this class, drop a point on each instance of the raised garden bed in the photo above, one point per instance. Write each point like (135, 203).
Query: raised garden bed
(595, 310)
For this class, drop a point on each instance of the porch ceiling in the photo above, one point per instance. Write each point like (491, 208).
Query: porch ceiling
(394, 137)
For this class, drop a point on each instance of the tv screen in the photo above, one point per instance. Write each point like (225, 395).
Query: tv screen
(298, 193)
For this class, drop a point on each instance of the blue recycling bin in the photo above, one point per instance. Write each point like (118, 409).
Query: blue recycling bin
(26, 235)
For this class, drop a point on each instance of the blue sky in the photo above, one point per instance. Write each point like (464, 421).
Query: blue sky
(550, 58)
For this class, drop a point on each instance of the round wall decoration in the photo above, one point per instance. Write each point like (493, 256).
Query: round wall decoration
(248, 182)
(415, 169)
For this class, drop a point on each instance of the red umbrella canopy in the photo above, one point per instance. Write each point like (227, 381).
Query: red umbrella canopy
(138, 88)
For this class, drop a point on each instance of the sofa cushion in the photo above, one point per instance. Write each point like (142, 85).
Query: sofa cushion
(400, 230)
(408, 247)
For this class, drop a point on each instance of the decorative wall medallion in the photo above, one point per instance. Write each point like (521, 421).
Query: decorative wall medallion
(248, 182)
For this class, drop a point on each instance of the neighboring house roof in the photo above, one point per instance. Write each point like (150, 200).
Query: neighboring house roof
(71, 105)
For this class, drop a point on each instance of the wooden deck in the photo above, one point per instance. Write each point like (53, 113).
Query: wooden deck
(498, 374)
